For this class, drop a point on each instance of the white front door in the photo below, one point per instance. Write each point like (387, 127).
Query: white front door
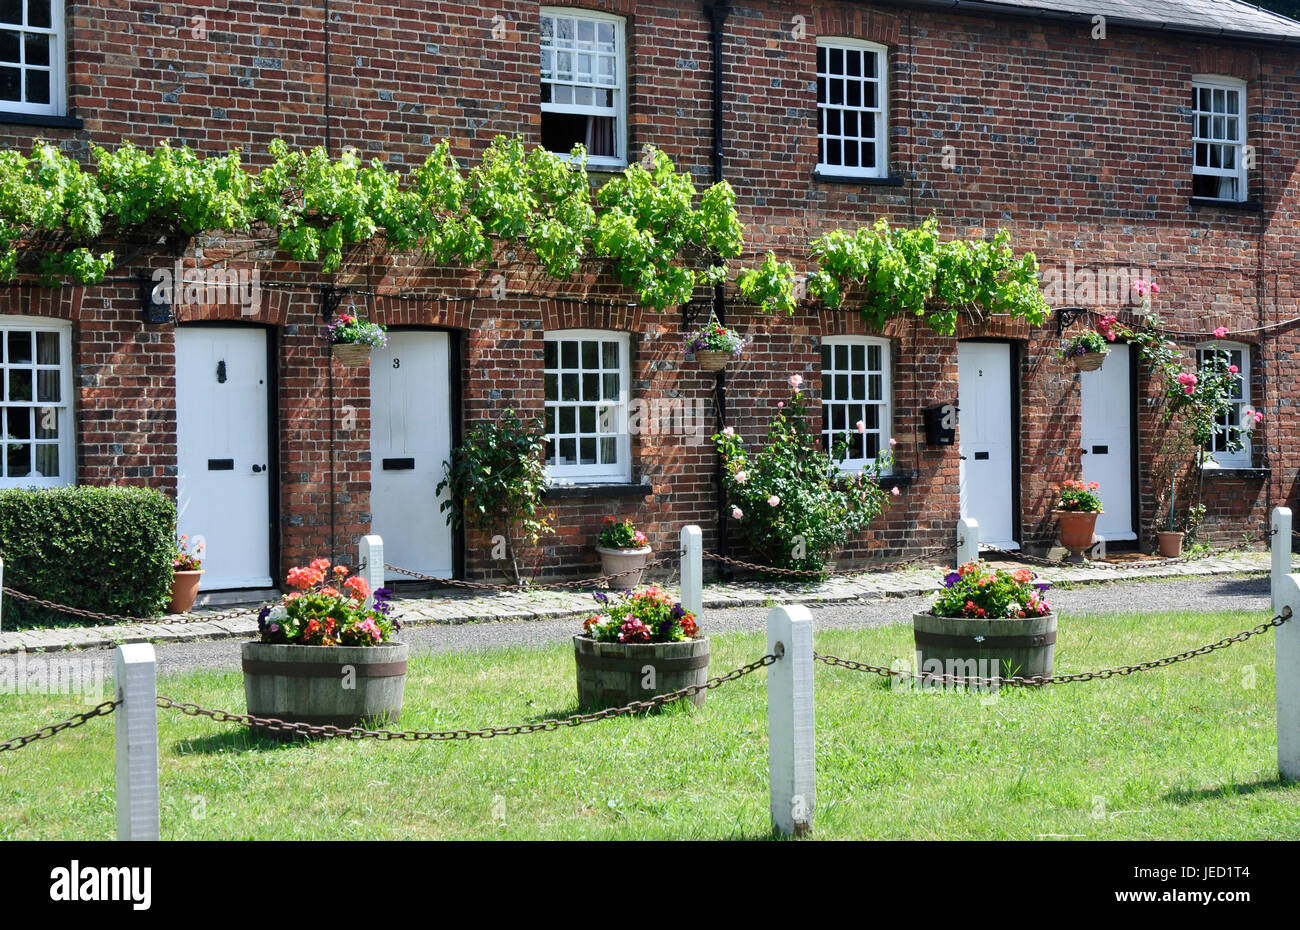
(984, 429)
(224, 484)
(1106, 437)
(410, 438)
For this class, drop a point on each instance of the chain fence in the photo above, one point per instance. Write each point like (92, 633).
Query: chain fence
(46, 732)
(528, 586)
(1038, 681)
(275, 725)
(123, 619)
(926, 555)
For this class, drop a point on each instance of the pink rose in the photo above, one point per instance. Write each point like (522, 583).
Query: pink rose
(1259, 417)
(1233, 368)
(894, 491)
(860, 426)
(774, 501)
(893, 442)
(729, 431)
(796, 381)
(742, 477)
(736, 513)
(1221, 332)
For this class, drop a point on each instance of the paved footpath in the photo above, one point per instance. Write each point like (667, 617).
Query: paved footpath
(453, 609)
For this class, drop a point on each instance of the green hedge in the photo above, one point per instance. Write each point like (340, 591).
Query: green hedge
(104, 549)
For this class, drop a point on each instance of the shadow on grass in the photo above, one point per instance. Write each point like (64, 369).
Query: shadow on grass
(1237, 789)
(682, 706)
(232, 739)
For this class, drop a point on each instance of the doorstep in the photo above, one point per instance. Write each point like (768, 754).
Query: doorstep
(544, 605)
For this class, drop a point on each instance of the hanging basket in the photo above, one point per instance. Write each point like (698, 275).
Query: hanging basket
(351, 354)
(1089, 361)
(712, 361)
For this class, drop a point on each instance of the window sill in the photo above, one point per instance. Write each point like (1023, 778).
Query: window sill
(37, 119)
(893, 180)
(595, 491)
(1248, 474)
(1240, 206)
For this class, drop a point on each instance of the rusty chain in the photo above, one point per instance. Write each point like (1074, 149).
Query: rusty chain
(18, 742)
(275, 725)
(537, 586)
(122, 619)
(1037, 681)
(813, 575)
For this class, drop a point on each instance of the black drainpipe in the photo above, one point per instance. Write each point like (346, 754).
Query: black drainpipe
(717, 15)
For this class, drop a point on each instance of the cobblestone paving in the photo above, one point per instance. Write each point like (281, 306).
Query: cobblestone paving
(542, 605)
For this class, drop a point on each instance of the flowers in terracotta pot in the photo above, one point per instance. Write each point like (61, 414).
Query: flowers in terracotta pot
(187, 557)
(327, 608)
(622, 534)
(976, 591)
(1076, 496)
(646, 616)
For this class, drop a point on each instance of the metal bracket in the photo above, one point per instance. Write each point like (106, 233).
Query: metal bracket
(1066, 317)
(330, 299)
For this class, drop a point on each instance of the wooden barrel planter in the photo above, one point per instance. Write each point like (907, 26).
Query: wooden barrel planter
(614, 674)
(342, 686)
(971, 648)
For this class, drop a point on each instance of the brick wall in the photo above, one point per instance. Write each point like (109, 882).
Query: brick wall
(1078, 147)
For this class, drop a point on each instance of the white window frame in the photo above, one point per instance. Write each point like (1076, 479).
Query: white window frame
(68, 421)
(1237, 142)
(619, 471)
(881, 111)
(57, 68)
(886, 404)
(1240, 459)
(620, 91)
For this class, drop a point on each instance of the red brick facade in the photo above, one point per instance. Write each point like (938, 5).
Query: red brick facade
(1078, 147)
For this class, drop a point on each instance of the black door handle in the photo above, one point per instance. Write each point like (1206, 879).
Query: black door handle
(258, 468)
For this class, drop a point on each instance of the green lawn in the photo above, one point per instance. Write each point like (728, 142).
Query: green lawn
(1185, 752)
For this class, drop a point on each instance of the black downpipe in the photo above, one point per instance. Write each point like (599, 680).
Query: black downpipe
(717, 14)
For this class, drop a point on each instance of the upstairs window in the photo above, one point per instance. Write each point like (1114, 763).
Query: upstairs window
(586, 396)
(31, 57)
(1218, 138)
(36, 403)
(584, 85)
(1238, 355)
(851, 99)
(855, 390)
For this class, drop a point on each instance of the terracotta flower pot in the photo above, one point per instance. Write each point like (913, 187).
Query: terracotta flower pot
(613, 561)
(185, 588)
(1171, 543)
(1089, 361)
(351, 354)
(1077, 531)
(712, 361)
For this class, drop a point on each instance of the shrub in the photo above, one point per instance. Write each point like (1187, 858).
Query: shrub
(496, 478)
(792, 504)
(102, 549)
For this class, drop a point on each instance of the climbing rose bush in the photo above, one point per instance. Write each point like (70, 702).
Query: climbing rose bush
(327, 608)
(791, 503)
(646, 616)
(974, 590)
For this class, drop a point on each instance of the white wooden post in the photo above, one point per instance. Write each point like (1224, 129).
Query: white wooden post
(1286, 649)
(135, 682)
(692, 569)
(370, 559)
(1281, 549)
(968, 540)
(2, 583)
(790, 720)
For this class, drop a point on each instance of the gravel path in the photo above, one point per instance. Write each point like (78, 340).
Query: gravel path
(1213, 594)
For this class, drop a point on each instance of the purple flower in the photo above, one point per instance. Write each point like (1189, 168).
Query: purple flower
(600, 597)
(951, 579)
(383, 600)
(1043, 587)
(261, 618)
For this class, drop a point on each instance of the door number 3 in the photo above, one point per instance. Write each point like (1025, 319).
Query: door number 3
(397, 363)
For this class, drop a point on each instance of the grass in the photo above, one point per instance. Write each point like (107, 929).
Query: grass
(1186, 752)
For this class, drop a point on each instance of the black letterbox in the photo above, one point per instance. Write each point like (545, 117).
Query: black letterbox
(940, 424)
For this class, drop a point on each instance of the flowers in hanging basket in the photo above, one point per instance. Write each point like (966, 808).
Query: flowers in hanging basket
(974, 590)
(646, 616)
(622, 534)
(351, 330)
(715, 337)
(1075, 495)
(1088, 342)
(187, 558)
(327, 608)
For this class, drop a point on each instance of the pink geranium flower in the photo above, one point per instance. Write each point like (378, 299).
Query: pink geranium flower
(1221, 332)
